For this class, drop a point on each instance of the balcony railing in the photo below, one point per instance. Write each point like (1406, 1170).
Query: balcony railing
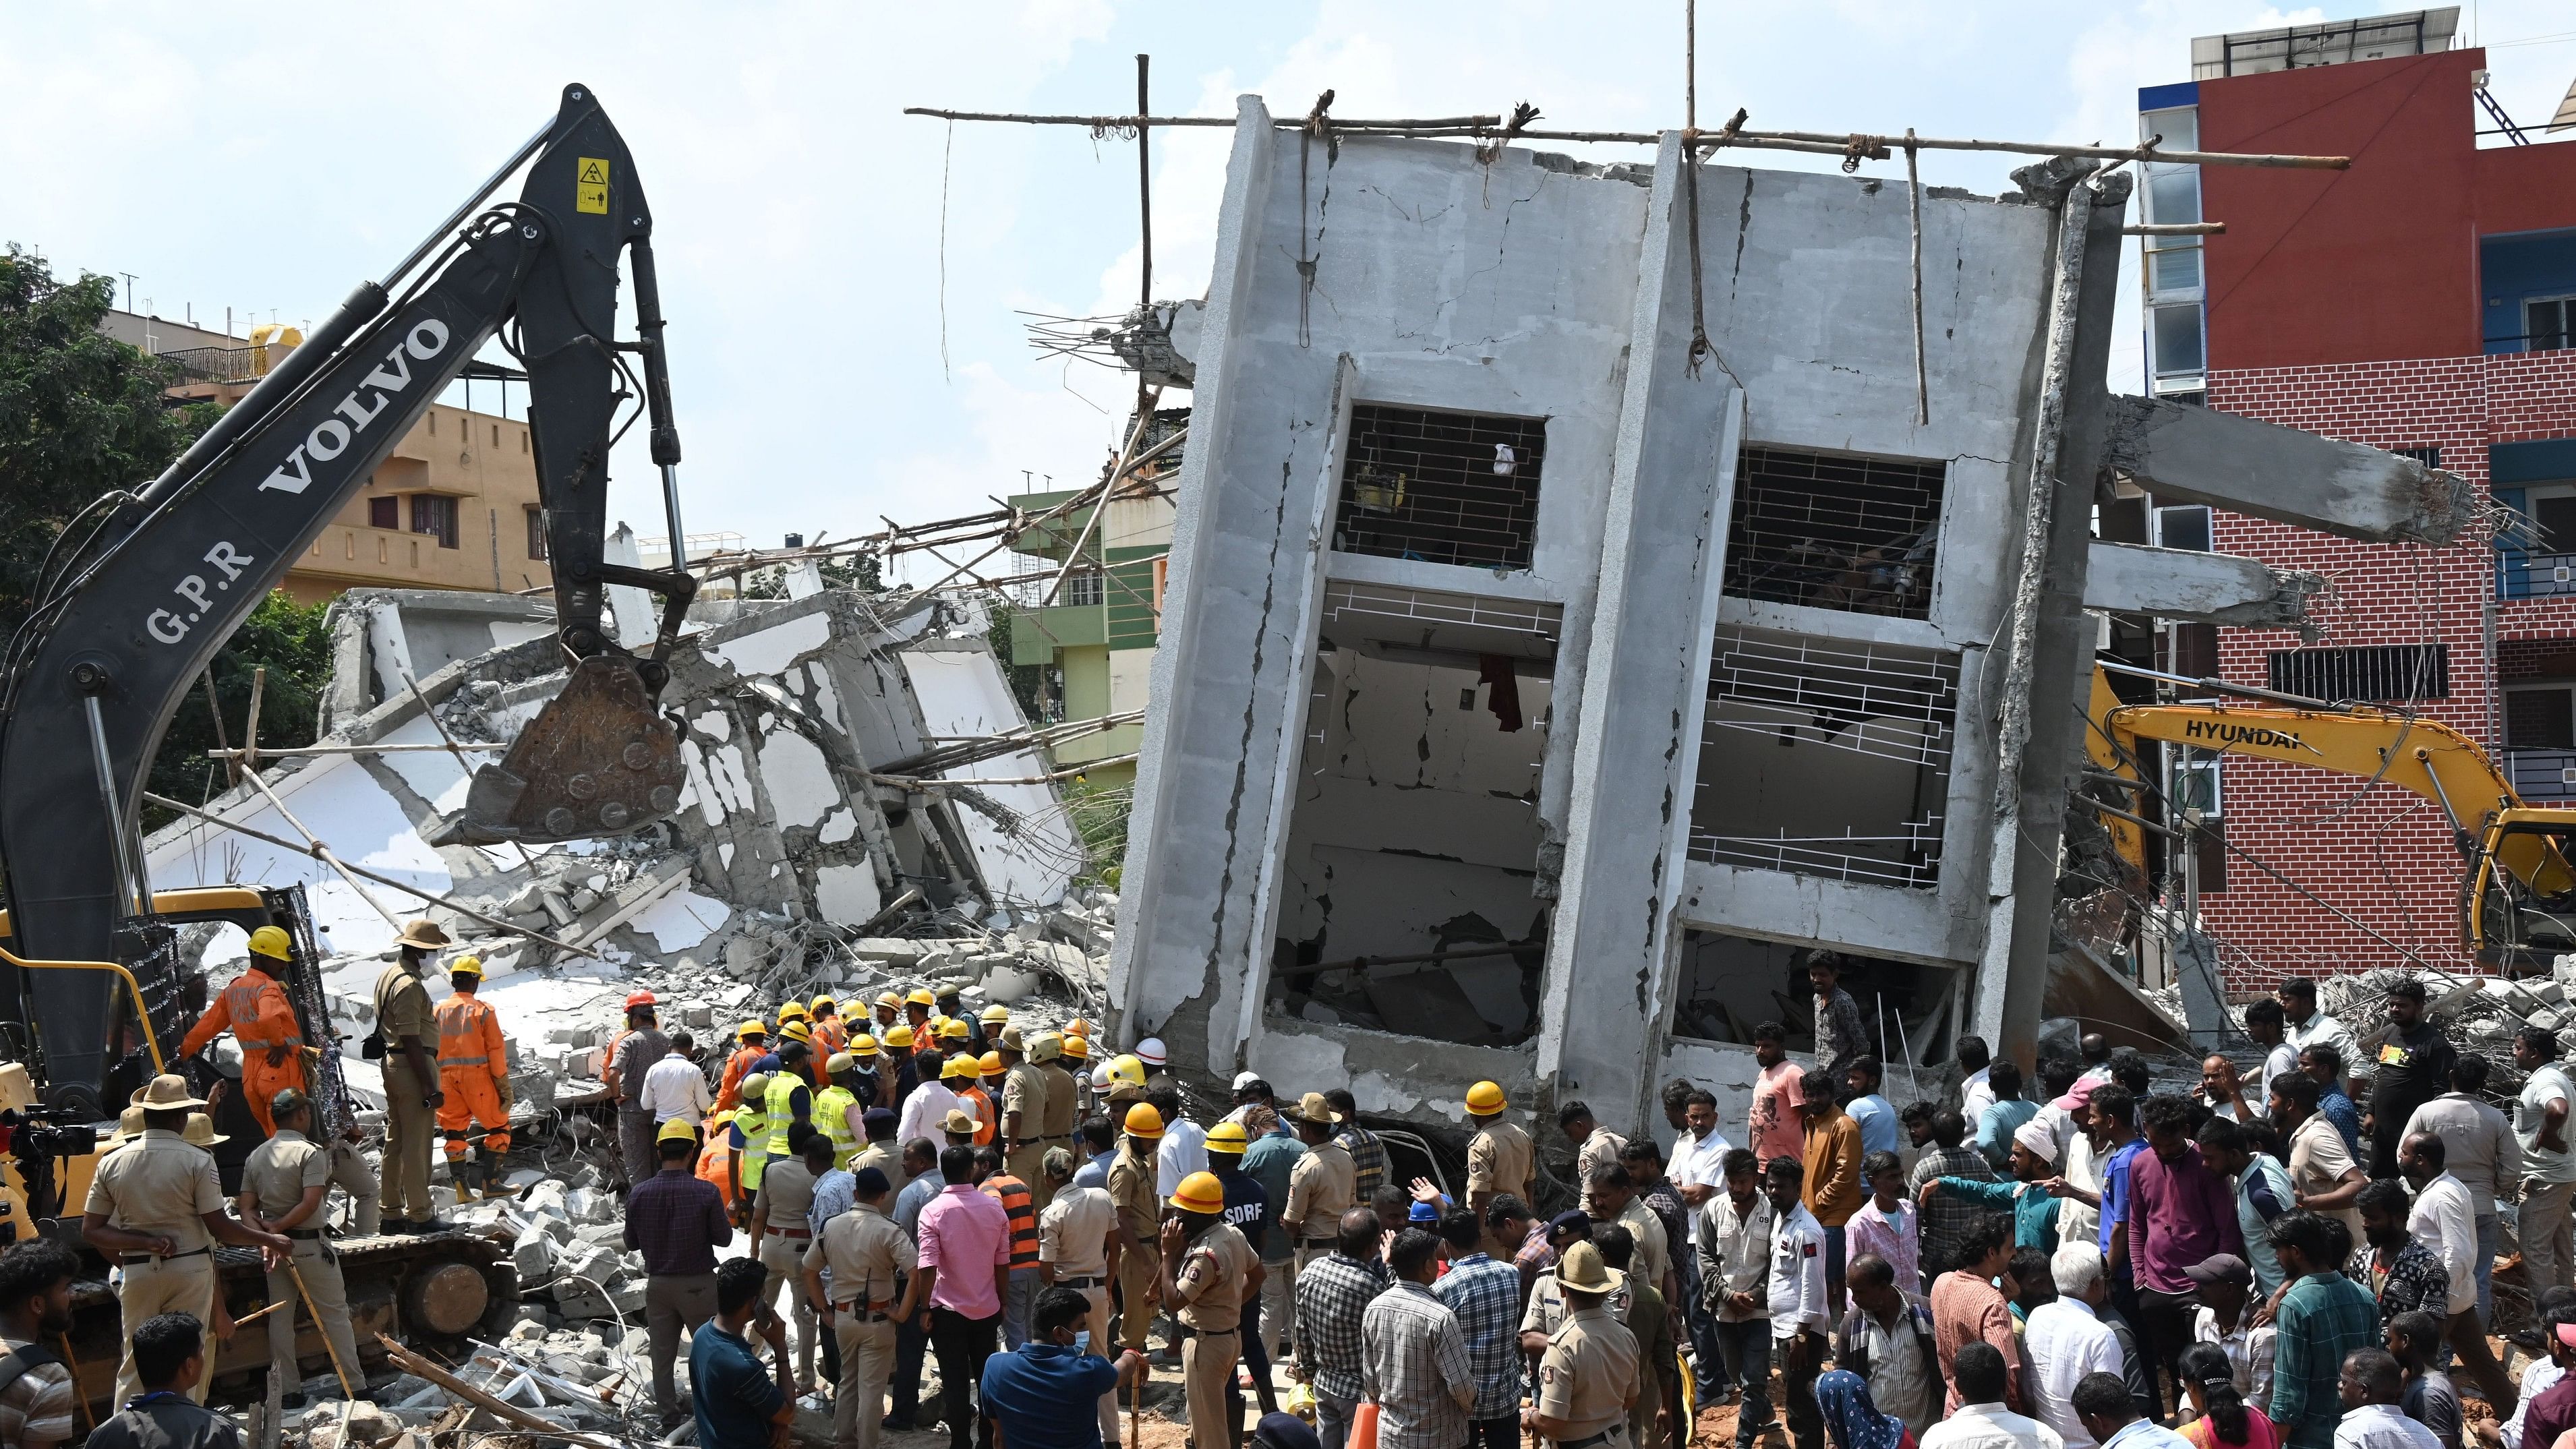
(2530, 342)
(220, 364)
(2521, 575)
(2542, 774)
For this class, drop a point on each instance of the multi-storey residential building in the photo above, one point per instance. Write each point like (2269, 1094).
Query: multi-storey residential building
(2423, 301)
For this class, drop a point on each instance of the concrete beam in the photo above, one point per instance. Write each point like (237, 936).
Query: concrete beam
(2193, 454)
(2204, 588)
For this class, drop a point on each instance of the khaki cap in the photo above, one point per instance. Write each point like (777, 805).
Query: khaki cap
(1583, 1271)
(202, 1133)
(422, 932)
(960, 1122)
(1011, 1039)
(1313, 1108)
(167, 1093)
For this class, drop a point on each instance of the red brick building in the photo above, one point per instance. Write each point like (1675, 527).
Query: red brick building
(2422, 301)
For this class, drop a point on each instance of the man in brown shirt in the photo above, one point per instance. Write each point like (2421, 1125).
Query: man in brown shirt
(781, 1232)
(1500, 1155)
(1321, 1187)
(284, 1185)
(1024, 1105)
(410, 1033)
(1834, 1189)
(1131, 1189)
(1209, 1271)
(1063, 1106)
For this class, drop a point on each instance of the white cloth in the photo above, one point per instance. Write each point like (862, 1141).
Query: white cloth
(2248, 1350)
(1976, 1094)
(2382, 1426)
(2478, 1146)
(1990, 1426)
(2067, 1341)
(923, 1111)
(2061, 1127)
(1697, 1162)
(2445, 1222)
(1900, 1382)
(2280, 1061)
(2077, 1223)
(1183, 1152)
(674, 1087)
(1741, 1245)
(2536, 1380)
(1797, 1274)
(2323, 1028)
(2218, 1109)
(2549, 1084)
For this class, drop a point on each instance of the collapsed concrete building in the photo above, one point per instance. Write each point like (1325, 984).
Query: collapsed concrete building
(1537, 692)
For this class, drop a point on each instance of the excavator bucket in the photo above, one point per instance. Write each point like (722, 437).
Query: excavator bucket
(595, 761)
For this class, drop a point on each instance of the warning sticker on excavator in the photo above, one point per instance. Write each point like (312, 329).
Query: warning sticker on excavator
(590, 186)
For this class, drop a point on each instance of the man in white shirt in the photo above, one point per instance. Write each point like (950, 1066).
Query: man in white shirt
(927, 1107)
(2305, 1024)
(2372, 1384)
(675, 1086)
(2478, 1149)
(1732, 1235)
(2540, 1127)
(1981, 1421)
(1798, 1321)
(1976, 1093)
(2068, 1340)
(2444, 1220)
(2224, 1284)
(2265, 1023)
(1184, 1149)
(2110, 1415)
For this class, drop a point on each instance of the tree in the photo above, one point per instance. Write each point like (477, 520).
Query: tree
(292, 642)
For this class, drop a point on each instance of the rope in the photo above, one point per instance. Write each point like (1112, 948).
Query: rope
(944, 153)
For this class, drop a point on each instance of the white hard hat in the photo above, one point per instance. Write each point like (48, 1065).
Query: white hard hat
(1100, 1076)
(1150, 1051)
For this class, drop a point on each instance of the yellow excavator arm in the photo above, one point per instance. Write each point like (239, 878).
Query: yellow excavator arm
(2413, 753)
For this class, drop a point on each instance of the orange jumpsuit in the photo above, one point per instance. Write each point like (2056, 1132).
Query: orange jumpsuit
(255, 1007)
(829, 1037)
(715, 1159)
(474, 1073)
(988, 1118)
(729, 1092)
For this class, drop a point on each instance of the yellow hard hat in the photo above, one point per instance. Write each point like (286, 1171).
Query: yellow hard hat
(797, 1031)
(466, 966)
(899, 1037)
(1077, 1027)
(991, 1065)
(677, 1129)
(271, 941)
(751, 1028)
(1200, 1192)
(721, 1118)
(1125, 1068)
(1144, 1121)
(1485, 1099)
(954, 1030)
(862, 1045)
(921, 997)
(1077, 1048)
(823, 1001)
(960, 1065)
(840, 1062)
(1228, 1137)
(889, 999)
(996, 1015)
(793, 1011)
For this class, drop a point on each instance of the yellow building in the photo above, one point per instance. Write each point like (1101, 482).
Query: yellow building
(453, 507)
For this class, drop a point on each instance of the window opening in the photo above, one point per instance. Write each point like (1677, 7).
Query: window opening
(2541, 717)
(1730, 984)
(1084, 588)
(435, 514)
(2378, 673)
(1438, 487)
(1831, 531)
(2547, 322)
(2184, 526)
(1825, 757)
(536, 533)
(1411, 898)
(384, 512)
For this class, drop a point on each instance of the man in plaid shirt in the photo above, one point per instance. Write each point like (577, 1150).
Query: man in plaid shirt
(1486, 1297)
(1333, 1295)
(1946, 1216)
(1368, 1155)
(1413, 1357)
(2324, 1316)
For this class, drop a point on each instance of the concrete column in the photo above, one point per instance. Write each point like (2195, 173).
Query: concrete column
(1645, 684)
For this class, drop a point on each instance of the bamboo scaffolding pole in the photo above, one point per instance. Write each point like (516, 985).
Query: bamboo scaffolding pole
(2175, 228)
(1875, 147)
(923, 782)
(313, 843)
(308, 751)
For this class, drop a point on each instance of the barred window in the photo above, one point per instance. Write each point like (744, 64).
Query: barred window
(2379, 673)
(1450, 488)
(1832, 531)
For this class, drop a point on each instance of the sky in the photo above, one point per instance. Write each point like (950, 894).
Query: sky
(845, 284)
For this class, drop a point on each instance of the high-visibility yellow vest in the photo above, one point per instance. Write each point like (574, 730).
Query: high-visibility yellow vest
(832, 1105)
(751, 1121)
(782, 1109)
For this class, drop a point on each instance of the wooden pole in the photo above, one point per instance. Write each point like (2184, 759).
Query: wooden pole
(411, 1362)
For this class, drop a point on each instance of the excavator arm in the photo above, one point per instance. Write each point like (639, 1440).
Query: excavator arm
(152, 583)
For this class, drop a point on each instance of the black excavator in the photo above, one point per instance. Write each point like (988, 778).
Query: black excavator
(145, 585)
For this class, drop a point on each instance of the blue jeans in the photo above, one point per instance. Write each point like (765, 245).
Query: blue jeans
(2488, 1241)
(1019, 1305)
(1744, 1356)
(1703, 1328)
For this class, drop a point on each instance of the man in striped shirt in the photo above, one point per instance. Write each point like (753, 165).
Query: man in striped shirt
(1019, 1300)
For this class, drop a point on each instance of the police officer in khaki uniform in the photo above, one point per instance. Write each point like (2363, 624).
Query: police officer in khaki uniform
(1131, 1191)
(157, 1208)
(1588, 1376)
(1322, 1186)
(1499, 1156)
(410, 1032)
(781, 1231)
(1078, 1248)
(1024, 1104)
(284, 1186)
(1209, 1270)
(871, 1260)
(1063, 1108)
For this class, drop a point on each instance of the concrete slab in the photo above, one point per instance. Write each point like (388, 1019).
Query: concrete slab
(2192, 454)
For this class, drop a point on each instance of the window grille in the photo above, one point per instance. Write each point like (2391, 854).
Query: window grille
(2377, 673)
(1450, 488)
(1834, 532)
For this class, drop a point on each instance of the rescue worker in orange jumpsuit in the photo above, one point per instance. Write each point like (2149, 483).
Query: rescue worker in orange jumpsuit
(474, 1075)
(716, 1154)
(830, 1035)
(255, 1008)
(753, 1041)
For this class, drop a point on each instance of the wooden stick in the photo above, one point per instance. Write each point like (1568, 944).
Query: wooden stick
(501, 1409)
(250, 732)
(348, 1390)
(2175, 228)
(256, 1314)
(321, 852)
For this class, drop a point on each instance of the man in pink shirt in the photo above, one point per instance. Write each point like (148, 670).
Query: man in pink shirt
(1777, 1129)
(965, 1240)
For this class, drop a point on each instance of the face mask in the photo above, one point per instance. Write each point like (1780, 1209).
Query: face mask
(1082, 1341)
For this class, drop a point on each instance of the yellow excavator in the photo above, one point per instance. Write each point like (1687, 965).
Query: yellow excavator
(2517, 898)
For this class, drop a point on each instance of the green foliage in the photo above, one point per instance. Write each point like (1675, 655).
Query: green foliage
(863, 572)
(293, 643)
(1100, 814)
(81, 414)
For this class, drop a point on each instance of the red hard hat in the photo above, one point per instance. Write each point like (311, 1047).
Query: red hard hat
(641, 998)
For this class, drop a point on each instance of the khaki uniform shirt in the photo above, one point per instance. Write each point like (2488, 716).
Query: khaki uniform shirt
(787, 1190)
(1215, 1270)
(866, 1253)
(1601, 1149)
(1546, 1311)
(1320, 1189)
(1131, 1189)
(884, 1159)
(403, 1012)
(1073, 1232)
(1654, 1256)
(1062, 1096)
(1498, 1160)
(1024, 1092)
(279, 1171)
(161, 1186)
(1589, 1373)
